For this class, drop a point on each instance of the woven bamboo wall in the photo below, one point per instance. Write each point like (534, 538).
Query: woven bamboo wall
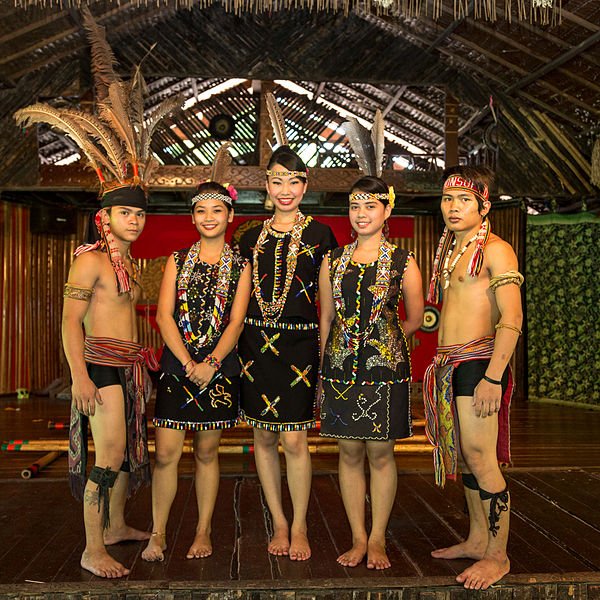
(15, 296)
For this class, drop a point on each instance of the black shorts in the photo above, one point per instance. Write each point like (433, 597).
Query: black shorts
(103, 376)
(468, 374)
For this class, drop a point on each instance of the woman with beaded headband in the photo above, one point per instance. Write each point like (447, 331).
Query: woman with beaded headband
(201, 308)
(366, 369)
(279, 348)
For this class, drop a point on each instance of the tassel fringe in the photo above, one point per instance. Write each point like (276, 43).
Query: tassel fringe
(543, 12)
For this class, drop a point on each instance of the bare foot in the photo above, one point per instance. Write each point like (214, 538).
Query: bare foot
(280, 543)
(299, 548)
(465, 549)
(201, 546)
(354, 556)
(102, 564)
(156, 547)
(124, 534)
(484, 573)
(377, 557)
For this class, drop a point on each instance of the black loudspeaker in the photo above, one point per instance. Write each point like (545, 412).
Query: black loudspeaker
(53, 220)
(222, 127)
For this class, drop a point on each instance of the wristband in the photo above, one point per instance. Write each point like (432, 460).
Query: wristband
(490, 380)
(187, 363)
(212, 361)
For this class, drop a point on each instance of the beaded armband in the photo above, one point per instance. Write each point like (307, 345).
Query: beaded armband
(507, 326)
(506, 278)
(212, 361)
(76, 292)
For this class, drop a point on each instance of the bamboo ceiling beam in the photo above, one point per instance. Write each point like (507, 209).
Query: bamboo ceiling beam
(569, 16)
(64, 33)
(126, 25)
(507, 40)
(557, 62)
(393, 100)
(393, 126)
(423, 42)
(547, 37)
(33, 26)
(565, 158)
(449, 30)
(399, 131)
(528, 78)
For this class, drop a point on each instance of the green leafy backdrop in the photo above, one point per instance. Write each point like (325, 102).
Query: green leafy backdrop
(563, 299)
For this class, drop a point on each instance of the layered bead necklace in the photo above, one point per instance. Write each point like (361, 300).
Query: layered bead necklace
(351, 325)
(222, 291)
(271, 310)
(447, 270)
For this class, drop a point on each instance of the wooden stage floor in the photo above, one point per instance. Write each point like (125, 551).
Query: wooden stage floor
(554, 545)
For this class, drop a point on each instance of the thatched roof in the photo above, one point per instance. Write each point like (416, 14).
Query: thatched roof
(527, 92)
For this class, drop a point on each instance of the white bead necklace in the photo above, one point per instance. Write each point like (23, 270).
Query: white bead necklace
(447, 270)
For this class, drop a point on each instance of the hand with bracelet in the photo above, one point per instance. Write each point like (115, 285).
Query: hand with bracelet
(202, 373)
(487, 397)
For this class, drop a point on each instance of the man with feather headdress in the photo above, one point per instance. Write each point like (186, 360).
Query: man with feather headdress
(110, 382)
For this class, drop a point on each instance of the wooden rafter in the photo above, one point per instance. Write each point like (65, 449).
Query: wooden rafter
(592, 40)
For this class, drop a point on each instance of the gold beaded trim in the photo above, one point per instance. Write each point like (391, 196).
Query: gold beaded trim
(286, 173)
(365, 196)
(76, 292)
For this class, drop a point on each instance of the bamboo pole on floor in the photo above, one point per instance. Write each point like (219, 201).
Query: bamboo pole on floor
(33, 470)
(321, 448)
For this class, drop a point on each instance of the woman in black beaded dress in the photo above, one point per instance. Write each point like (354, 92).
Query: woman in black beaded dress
(201, 308)
(279, 349)
(366, 368)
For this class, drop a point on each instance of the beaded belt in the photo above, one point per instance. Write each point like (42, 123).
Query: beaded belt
(280, 325)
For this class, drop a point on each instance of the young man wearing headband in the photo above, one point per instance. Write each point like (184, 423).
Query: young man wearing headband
(468, 387)
(110, 385)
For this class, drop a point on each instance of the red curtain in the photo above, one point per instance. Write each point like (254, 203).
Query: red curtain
(164, 234)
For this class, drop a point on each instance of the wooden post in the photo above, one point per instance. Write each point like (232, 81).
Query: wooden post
(265, 130)
(451, 131)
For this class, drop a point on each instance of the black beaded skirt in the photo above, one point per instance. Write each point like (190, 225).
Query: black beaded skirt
(280, 366)
(181, 404)
(366, 412)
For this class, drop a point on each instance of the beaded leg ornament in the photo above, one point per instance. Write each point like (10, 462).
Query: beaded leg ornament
(499, 503)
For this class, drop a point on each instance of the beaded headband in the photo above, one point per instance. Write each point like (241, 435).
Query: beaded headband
(212, 196)
(390, 196)
(456, 182)
(271, 173)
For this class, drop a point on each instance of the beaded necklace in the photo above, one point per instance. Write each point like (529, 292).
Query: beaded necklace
(447, 270)
(222, 291)
(271, 311)
(351, 325)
